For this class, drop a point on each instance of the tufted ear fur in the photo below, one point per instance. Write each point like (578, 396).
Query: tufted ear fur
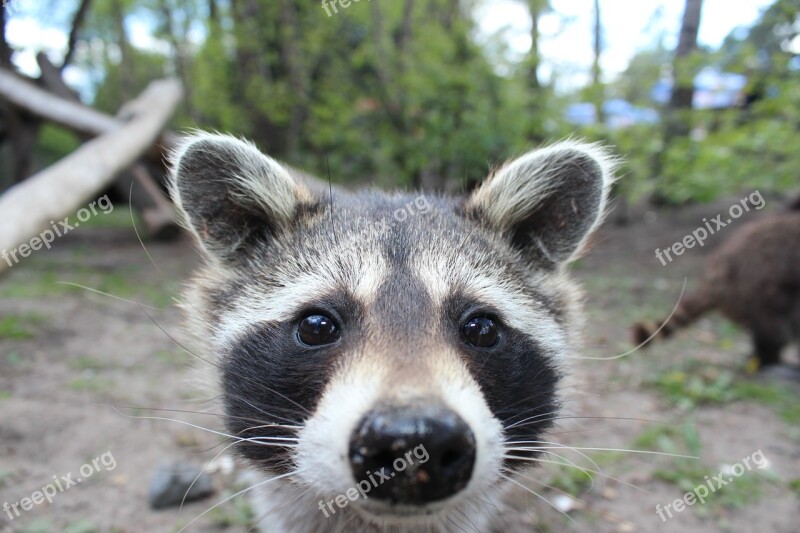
(228, 191)
(548, 201)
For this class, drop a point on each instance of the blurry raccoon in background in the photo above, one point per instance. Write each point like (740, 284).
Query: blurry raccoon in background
(753, 279)
(343, 338)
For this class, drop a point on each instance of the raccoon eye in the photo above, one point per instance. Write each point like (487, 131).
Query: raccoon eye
(315, 330)
(480, 331)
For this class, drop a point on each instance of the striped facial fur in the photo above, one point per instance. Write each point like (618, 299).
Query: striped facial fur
(345, 336)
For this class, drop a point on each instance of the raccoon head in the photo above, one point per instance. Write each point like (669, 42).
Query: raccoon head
(395, 348)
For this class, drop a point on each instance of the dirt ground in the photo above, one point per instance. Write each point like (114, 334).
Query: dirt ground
(84, 376)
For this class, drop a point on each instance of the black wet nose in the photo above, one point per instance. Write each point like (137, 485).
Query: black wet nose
(412, 455)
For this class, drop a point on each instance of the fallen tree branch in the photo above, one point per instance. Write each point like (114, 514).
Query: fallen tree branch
(57, 191)
(61, 106)
(72, 115)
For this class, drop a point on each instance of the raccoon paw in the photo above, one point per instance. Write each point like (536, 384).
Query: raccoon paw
(642, 331)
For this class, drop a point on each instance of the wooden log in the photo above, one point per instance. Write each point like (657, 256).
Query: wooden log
(58, 104)
(85, 120)
(70, 184)
(37, 101)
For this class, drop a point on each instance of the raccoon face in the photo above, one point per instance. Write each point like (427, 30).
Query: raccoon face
(390, 346)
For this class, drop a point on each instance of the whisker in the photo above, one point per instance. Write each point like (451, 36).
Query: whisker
(219, 415)
(183, 500)
(183, 422)
(545, 461)
(634, 419)
(585, 456)
(109, 295)
(264, 426)
(648, 339)
(514, 481)
(552, 487)
(649, 452)
(248, 489)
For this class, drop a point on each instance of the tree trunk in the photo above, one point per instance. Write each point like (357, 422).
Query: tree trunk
(535, 93)
(126, 65)
(21, 129)
(5, 49)
(27, 208)
(51, 79)
(77, 22)
(179, 58)
(676, 120)
(598, 96)
(683, 88)
(297, 73)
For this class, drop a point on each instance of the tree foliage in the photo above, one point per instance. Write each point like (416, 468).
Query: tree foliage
(399, 93)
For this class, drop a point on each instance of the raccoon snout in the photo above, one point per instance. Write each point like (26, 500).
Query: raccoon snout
(413, 454)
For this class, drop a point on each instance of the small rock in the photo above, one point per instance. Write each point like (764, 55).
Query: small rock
(171, 482)
(223, 464)
(186, 439)
(120, 480)
(609, 493)
(566, 504)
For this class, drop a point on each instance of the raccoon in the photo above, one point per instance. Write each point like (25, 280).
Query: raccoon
(753, 279)
(346, 341)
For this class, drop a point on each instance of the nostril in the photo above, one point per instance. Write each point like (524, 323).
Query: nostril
(451, 458)
(383, 461)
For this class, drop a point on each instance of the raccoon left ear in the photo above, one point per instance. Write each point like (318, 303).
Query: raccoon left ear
(227, 191)
(548, 201)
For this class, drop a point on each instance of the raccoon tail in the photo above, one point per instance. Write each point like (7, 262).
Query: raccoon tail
(690, 309)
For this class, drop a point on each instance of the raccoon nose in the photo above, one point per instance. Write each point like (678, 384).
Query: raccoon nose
(412, 455)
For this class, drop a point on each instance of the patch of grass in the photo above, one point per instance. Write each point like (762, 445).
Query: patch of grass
(87, 363)
(81, 526)
(19, 327)
(39, 525)
(794, 486)
(738, 492)
(118, 218)
(172, 357)
(683, 440)
(689, 474)
(698, 383)
(91, 384)
(236, 513)
(573, 479)
(696, 386)
(34, 284)
(5, 475)
(14, 359)
(5, 395)
(39, 281)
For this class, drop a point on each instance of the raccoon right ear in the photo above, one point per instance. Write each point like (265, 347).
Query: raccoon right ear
(548, 201)
(226, 190)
